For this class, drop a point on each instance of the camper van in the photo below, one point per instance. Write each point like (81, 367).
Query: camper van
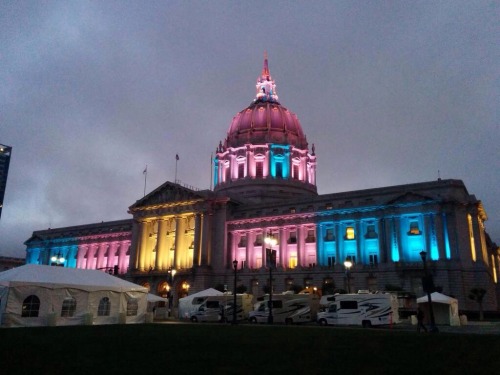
(366, 309)
(287, 308)
(220, 308)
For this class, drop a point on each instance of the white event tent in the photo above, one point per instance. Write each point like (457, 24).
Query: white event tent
(36, 295)
(445, 308)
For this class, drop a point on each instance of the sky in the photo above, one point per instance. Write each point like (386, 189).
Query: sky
(389, 92)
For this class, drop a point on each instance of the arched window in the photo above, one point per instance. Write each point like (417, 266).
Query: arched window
(31, 306)
(132, 307)
(68, 307)
(104, 307)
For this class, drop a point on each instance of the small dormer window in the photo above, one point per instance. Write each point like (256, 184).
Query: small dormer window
(414, 229)
(349, 233)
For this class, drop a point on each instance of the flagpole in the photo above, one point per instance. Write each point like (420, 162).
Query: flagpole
(176, 160)
(145, 173)
(211, 169)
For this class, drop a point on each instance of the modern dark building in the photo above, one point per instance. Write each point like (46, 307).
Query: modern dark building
(5, 152)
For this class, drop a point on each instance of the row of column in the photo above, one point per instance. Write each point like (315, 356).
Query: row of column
(104, 255)
(389, 244)
(164, 250)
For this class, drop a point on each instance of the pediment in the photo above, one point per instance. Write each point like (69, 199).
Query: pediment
(167, 193)
(409, 197)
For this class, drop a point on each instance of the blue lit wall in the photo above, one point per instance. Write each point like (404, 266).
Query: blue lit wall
(280, 154)
(216, 171)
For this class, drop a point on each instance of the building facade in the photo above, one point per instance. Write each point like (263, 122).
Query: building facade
(5, 152)
(182, 240)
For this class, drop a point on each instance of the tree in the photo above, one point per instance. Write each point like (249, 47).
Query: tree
(328, 288)
(477, 294)
(240, 289)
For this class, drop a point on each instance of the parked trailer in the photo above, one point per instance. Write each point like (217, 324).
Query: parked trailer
(287, 308)
(366, 310)
(220, 308)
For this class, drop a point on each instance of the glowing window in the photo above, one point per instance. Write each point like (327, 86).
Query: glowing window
(68, 307)
(349, 233)
(292, 262)
(31, 306)
(104, 307)
(132, 307)
(414, 229)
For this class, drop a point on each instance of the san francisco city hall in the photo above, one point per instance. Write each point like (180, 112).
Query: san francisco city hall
(182, 240)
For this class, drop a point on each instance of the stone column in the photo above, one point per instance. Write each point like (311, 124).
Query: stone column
(112, 254)
(197, 240)
(143, 234)
(178, 234)
(282, 246)
(161, 242)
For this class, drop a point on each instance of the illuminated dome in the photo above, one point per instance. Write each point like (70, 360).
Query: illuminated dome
(265, 156)
(265, 120)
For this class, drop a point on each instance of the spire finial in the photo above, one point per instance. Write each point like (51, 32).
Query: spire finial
(266, 87)
(265, 69)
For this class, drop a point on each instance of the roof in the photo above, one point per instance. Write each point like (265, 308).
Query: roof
(62, 277)
(437, 298)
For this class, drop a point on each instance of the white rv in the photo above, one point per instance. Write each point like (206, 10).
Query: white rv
(220, 308)
(367, 310)
(287, 308)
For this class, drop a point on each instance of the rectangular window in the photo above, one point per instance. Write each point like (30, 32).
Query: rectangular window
(132, 307)
(310, 236)
(370, 232)
(243, 241)
(414, 230)
(241, 170)
(331, 261)
(293, 237)
(68, 307)
(259, 169)
(329, 235)
(373, 259)
(296, 171)
(292, 262)
(349, 233)
(258, 240)
(352, 305)
(352, 258)
(279, 170)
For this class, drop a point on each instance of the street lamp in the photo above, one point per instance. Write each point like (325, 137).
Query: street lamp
(348, 265)
(271, 256)
(428, 285)
(235, 267)
(171, 272)
(57, 260)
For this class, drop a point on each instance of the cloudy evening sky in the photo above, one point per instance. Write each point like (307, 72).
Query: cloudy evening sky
(390, 92)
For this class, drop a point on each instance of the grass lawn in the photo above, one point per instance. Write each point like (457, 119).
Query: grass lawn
(243, 349)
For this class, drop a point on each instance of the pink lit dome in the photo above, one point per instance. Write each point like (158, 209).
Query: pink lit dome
(265, 120)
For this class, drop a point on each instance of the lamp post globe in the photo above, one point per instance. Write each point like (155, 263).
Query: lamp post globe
(427, 285)
(235, 267)
(348, 265)
(270, 241)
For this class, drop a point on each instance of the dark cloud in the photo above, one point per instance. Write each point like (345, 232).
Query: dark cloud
(389, 92)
